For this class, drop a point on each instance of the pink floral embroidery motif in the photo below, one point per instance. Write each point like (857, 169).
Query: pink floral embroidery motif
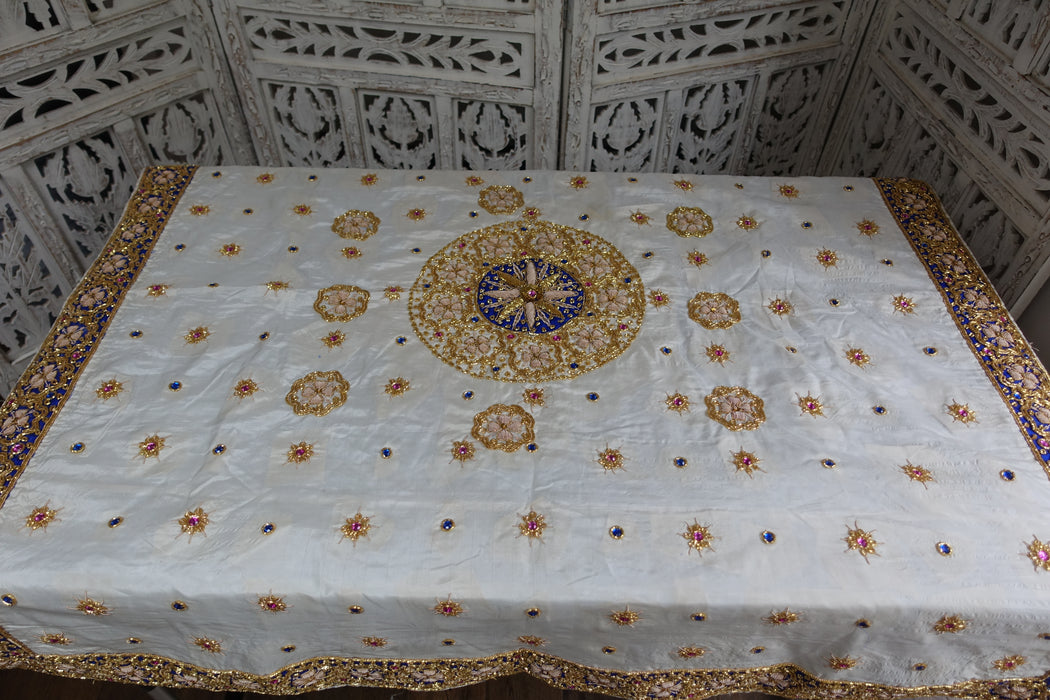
(714, 310)
(318, 393)
(356, 224)
(341, 302)
(500, 199)
(735, 407)
(501, 427)
(690, 222)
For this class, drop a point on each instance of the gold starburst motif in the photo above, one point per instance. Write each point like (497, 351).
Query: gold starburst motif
(748, 223)
(810, 404)
(531, 213)
(625, 617)
(610, 459)
(397, 386)
(272, 603)
(156, 290)
(679, 403)
(950, 624)
(56, 638)
(244, 388)
(827, 258)
(658, 298)
(746, 462)
(684, 185)
(416, 214)
(374, 642)
(533, 397)
(462, 450)
(696, 258)
(334, 339)
(230, 249)
(474, 181)
(194, 522)
(448, 608)
(842, 663)
(302, 210)
(41, 517)
(789, 191)
(196, 335)
(903, 304)
(1038, 552)
(536, 298)
(717, 353)
(780, 307)
(691, 652)
(210, 645)
(200, 209)
(918, 473)
(532, 640)
(300, 453)
(265, 178)
(109, 389)
(351, 252)
(1009, 663)
(532, 525)
(92, 607)
(860, 541)
(698, 537)
(151, 447)
(781, 617)
(393, 293)
(356, 527)
(639, 218)
(276, 286)
(369, 179)
(961, 413)
(857, 356)
(578, 182)
(868, 228)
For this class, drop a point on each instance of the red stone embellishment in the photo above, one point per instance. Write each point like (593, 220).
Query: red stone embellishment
(578, 182)
(532, 640)
(272, 603)
(748, 223)
(462, 450)
(300, 453)
(717, 353)
(691, 652)
(810, 404)
(782, 617)
(151, 447)
(857, 357)
(210, 645)
(351, 252)
(659, 298)
(1009, 663)
(230, 249)
(474, 181)
(698, 537)
(92, 607)
(861, 541)
(827, 258)
(393, 293)
(679, 403)
(156, 290)
(531, 213)
(842, 663)
(244, 388)
(684, 185)
(903, 304)
(200, 210)
(194, 522)
(868, 228)
(109, 389)
(610, 459)
(356, 527)
(56, 638)
(397, 386)
(639, 218)
(448, 608)
(334, 339)
(533, 397)
(789, 191)
(532, 525)
(696, 258)
(416, 214)
(1038, 552)
(197, 335)
(746, 462)
(265, 178)
(302, 210)
(625, 617)
(374, 642)
(41, 517)
(950, 624)
(780, 307)
(369, 179)
(961, 413)
(276, 286)
(918, 473)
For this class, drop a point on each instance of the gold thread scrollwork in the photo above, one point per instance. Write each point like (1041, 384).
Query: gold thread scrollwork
(341, 302)
(502, 427)
(690, 222)
(714, 310)
(318, 393)
(735, 407)
(356, 224)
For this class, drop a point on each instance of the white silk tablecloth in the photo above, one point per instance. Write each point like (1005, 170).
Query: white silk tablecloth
(647, 435)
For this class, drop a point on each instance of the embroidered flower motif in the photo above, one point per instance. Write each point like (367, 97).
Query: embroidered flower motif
(610, 459)
(244, 388)
(698, 537)
(789, 191)
(209, 645)
(300, 452)
(748, 223)
(272, 603)
(593, 265)
(857, 357)
(334, 339)
(462, 450)
(953, 263)
(625, 617)
(533, 397)
(659, 298)
(903, 304)
(446, 308)
(950, 624)
(639, 218)
(92, 607)
(308, 678)
(842, 663)
(532, 525)
(998, 334)
(961, 413)
(1009, 663)
(775, 681)
(780, 307)
(351, 252)
(164, 177)
(356, 224)
(696, 258)
(156, 290)
(374, 642)
(810, 404)
(501, 427)
(265, 178)
(861, 541)
(151, 447)
(302, 210)
(474, 181)
(196, 209)
(1038, 552)
(532, 640)
(317, 393)
(548, 241)
(355, 528)
(196, 335)
(782, 617)
(194, 521)
(229, 249)
(498, 246)
(1017, 373)
(55, 638)
(393, 293)
(868, 228)
(612, 301)
(341, 302)
(500, 199)
(690, 222)
(369, 179)
(746, 462)
(714, 310)
(475, 345)
(717, 353)
(45, 376)
(16, 422)
(448, 608)
(115, 264)
(428, 676)
(109, 389)
(918, 473)
(41, 517)
(535, 357)
(397, 386)
(416, 214)
(679, 403)
(578, 182)
(691, 652)
(827, 258)
(684, 185)
(590, 338)
(94, 297)
(735, 407)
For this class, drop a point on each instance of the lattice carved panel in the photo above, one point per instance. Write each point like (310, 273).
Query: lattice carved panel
(709, 127)
(27, 21)
(786, 123)
(993, 238)
(85, 186)
(101, 9)
(120, 70)
(454, 53)
(623, 135)
(492, 136)
(877, 124)
(310, 124)
(607, 6)
(185, 131)
(972, 104)
(1004, 25)
(400, 130)
(718, 40)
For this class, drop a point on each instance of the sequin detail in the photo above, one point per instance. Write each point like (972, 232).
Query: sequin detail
(746, 462)
(500, 199)
(300, 453)
(272, 603)
(679, 403)
(781, 617)
(317, 393)
(714, 310)
(610, 459)
(449, 608)
(690, 222)
(717, 353)
(625, 617)
(502, 427)
(747, 223)
(109, 389)
(961, 413)
(698, 537)
(356, 527)
(196, 335)
(194, 522)
(462, 450)
(341, 302)
(860, 541)
(735, 407)
(151, 447)
(950, 624)
(89, 606)
(356, 224)
(532, 525)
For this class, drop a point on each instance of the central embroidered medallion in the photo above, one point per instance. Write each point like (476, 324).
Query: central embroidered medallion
(527, 301)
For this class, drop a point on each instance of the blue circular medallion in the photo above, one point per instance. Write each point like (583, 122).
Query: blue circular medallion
(529, 296)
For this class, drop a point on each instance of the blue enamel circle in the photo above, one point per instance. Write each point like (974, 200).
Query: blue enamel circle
(529, 296)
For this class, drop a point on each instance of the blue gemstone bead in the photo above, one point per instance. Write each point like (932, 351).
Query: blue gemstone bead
(768, 537)
(1007, 475)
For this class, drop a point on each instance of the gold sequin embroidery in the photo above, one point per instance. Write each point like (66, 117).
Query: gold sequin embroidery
(747, 223)
(244, 388)
(789, 191)
(698, 537)
(684, 185)
(918, 473)
(397, 386)
(41, 517)
(194, 522)
(462, 450)
(860, 541)
(502, 427)
(842, 663)
(92, 607)
(317, 393)
(639, 218)
(690, 222)
(780, 307)
(393, 293)
(210, 645)
(746, 462)
(272, 603)
(625, 617)
(341, 302)
(302, 210)
(300, 453)
(416, 214)
(500, 199)
(374, 642)
(868, 228)
(229, 250)
(679, 403)
(196, 335)
(857, 356)
(717, 353)
(735, 407)
(610, 459)
(696, 258)
(781, 617)
(950, 624)
(532, 525)
(532, 640)
(578, 182)
(810, 404)
(200, 209)
(691, 652)
(55, 638)
(659, 298)
(1038, 552)
(157, 290)
(827, 258)
(903, 304)
(109, 389)
(334, 339)
(356, 527)
(356, 224)
(533, 397)
(714, 310)
(1009, 663)
(151, 447)
(448, 608)
(961, 413)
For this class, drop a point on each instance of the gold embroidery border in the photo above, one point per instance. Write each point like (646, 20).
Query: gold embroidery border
(320, 673)
(916, 207)
(152, 202)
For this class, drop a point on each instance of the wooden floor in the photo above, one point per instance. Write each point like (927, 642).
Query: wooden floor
(26, 685)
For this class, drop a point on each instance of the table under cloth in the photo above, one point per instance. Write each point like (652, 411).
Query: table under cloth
(649, 435)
